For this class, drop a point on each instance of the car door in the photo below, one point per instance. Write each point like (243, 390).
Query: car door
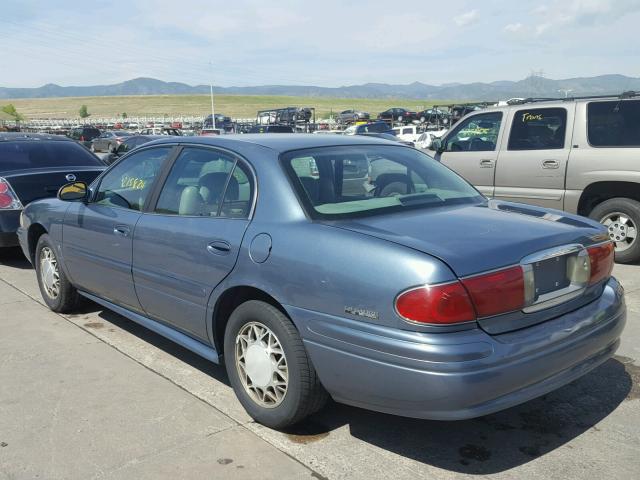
(532, 165)
(97, 235)
(471, 149)
(190, 241)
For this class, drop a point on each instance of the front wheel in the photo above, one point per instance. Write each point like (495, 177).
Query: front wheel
(55, 288)
(268, 366)
(621, 217)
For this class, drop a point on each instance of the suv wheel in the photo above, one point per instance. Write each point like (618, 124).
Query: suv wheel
(57, 292)
(621, 216)
(268, 366)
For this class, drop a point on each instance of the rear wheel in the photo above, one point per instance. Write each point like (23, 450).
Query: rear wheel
(621, 217)
(268, 366)
(57, 292)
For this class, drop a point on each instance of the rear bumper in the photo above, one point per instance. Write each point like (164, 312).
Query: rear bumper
(9, 223)
(454, 376)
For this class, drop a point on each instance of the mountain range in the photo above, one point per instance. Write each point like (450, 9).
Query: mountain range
(532, 86)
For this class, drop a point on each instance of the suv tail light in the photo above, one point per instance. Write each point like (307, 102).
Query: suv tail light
(601, 258)
(82, 138)
(8, 198)
(436, 304)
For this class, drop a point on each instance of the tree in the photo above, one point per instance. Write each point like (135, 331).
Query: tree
(124, 115)
(11, 110)
(84, 113)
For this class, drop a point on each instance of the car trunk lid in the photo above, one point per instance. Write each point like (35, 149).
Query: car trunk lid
(30, 185)
(475, 239)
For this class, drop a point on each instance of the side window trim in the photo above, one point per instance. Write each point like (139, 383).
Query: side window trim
(152, 200)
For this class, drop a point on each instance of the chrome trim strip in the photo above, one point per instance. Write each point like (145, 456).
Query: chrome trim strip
(551, 253)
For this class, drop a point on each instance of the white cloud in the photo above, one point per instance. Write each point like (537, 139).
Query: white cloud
(513, 27)
(466, 18)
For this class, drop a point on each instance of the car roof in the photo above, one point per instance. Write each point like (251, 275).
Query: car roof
(279, 142)
(551, 102)
(24, 136)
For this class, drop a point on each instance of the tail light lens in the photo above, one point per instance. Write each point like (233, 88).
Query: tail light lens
(8, 199)
(601, 258)
(436, 304)
(498, 292)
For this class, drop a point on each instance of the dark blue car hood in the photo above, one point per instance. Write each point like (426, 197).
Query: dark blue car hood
(477, 238)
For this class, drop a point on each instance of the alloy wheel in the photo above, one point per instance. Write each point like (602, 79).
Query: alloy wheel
(621, 229)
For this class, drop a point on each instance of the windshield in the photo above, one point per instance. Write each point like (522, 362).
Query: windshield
(20, 155)
(357, 180)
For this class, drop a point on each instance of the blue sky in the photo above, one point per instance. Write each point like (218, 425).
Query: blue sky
(322, 42)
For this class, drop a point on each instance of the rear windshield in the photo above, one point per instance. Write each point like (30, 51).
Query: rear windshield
(614, 124)
(352, 181)
(20, 155)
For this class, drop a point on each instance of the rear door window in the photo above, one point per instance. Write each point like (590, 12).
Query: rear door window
(538, 129)
(614, 123)
(206, 183)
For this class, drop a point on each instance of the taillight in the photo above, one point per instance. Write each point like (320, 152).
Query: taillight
(436, 304)
(601, 258)
(82, 138)
(498, 292)
(8, 199)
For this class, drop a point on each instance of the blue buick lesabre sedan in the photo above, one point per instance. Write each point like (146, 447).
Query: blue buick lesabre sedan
(349, 267)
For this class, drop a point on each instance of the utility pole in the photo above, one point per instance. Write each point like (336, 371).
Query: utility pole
(213, 112)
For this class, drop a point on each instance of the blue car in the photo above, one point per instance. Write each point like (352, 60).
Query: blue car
(342, 266)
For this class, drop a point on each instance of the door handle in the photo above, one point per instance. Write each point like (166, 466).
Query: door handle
(121, 230)
(486, 163)
(550, 164)
(219, 247)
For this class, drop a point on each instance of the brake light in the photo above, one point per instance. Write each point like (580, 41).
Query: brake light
(601, 258)
(497, 292)
(82, 138)
(436, 304)
(8, 199)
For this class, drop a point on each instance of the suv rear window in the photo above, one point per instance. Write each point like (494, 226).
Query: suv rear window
(614, 123)
(538, 129)
(42, 154)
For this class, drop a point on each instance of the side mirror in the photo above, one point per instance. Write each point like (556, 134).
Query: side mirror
(436, 145)
(73, 192)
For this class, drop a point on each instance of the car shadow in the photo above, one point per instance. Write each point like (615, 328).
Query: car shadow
(13, 257)
(493, 443)
(209, 368)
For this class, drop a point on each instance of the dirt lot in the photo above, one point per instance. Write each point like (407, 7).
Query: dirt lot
(93, 395)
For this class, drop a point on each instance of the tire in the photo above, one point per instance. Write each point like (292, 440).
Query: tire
(607, 213)
(66, 297)
(304, 393)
